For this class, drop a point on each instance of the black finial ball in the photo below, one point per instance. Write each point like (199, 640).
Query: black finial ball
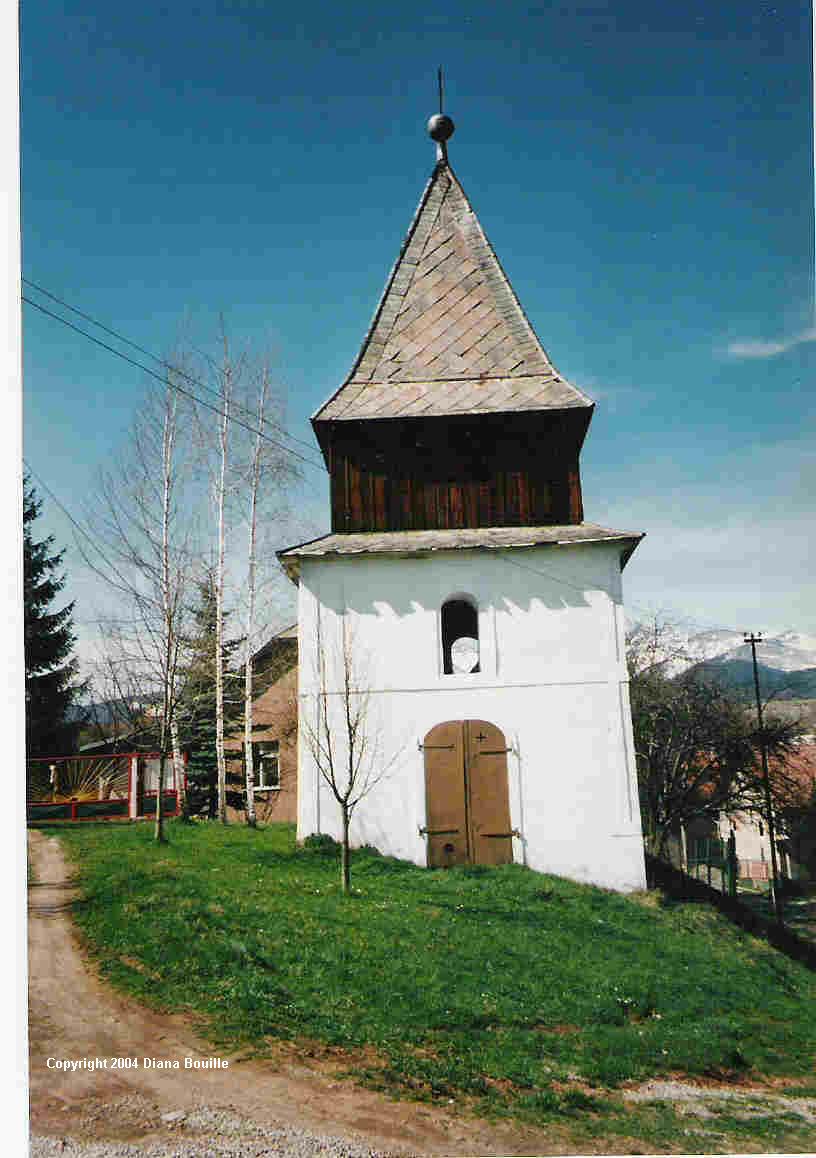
(440, 127)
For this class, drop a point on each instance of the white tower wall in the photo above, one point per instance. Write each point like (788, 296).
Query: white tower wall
(553, 679)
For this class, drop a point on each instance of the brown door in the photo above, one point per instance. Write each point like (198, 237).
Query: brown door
(488, 794)
(467, 797)
(445, 796)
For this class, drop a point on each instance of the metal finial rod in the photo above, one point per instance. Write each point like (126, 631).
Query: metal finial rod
(440, 126)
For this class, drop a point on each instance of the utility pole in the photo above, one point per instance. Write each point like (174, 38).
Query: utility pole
(754, 638)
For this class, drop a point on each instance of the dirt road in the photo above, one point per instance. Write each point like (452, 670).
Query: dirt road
(74, 1016)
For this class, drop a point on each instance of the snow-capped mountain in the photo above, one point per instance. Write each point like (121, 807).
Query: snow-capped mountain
(790, 651)
(787, 651)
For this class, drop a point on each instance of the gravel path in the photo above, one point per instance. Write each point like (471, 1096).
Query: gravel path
(704, 1101)
(207, 1133)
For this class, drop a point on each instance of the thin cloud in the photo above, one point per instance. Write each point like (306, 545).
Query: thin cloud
(760, 349)
(613, 398)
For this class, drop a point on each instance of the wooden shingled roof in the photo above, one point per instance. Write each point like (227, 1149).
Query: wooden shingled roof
(449, 335)
(406, 543)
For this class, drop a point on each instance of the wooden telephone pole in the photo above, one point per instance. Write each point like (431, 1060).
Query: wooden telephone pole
(754, 638)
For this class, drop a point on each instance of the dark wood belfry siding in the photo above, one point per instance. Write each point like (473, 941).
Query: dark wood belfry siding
(445, 473)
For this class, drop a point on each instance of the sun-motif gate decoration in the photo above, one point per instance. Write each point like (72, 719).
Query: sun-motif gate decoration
(96, 787)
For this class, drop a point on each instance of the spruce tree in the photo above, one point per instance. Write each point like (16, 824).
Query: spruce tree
(196, 706)
(51, 691)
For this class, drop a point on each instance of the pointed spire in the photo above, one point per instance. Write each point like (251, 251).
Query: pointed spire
(449, 335)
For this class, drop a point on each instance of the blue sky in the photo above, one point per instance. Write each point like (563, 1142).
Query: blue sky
(645, 174)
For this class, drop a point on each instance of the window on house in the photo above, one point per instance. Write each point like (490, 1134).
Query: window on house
(150, 774)
(460, 636)
(266, 765)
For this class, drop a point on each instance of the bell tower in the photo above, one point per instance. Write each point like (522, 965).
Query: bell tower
(458, 549)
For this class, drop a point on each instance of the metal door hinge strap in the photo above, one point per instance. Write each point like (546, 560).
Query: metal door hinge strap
(438, 831)
(436, 747)
(512, 832)
(494, 752)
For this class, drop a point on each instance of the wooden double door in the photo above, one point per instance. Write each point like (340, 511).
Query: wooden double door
(466, 794)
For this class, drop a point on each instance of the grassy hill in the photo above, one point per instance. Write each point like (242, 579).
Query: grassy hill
(513, 992)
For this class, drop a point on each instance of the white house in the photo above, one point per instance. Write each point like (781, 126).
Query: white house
(482, 616)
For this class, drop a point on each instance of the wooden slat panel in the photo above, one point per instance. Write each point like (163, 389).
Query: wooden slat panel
(442, 498)
(355, 501)
(470, 504)
(576, 506)
(511, 509)
(456, 505)
(542, 505)
(485, 505)
(338, 493)
(393, 500)
(379, 514)
(405, 521)
(418, 503)
(430, 515)
(524, 514)
(498, 497)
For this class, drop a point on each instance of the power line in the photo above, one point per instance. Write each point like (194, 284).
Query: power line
(106, 619)
(641, 607)
(161, 361)
(548, 575)
(78, 526)
(173, 385)
(85, 535)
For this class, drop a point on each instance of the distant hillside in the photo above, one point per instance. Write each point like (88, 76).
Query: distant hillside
(737, 675)
(105, 712)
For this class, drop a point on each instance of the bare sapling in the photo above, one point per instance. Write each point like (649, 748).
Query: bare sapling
(344, 740)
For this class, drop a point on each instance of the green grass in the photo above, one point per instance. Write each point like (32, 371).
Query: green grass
(799, 908)
(514, 992)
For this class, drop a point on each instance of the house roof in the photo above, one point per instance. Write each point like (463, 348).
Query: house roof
(282, 642)
(284, 636)
(426, 542)
(449, 335)
(107, 741)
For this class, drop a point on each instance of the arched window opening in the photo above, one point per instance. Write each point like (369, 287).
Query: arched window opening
(460, 637)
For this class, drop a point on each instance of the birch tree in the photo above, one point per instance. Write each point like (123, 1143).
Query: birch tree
(145, 547)
(251, 474)
(255, 478)
(219, 586)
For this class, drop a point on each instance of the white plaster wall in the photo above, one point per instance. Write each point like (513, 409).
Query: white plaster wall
(553, 679)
